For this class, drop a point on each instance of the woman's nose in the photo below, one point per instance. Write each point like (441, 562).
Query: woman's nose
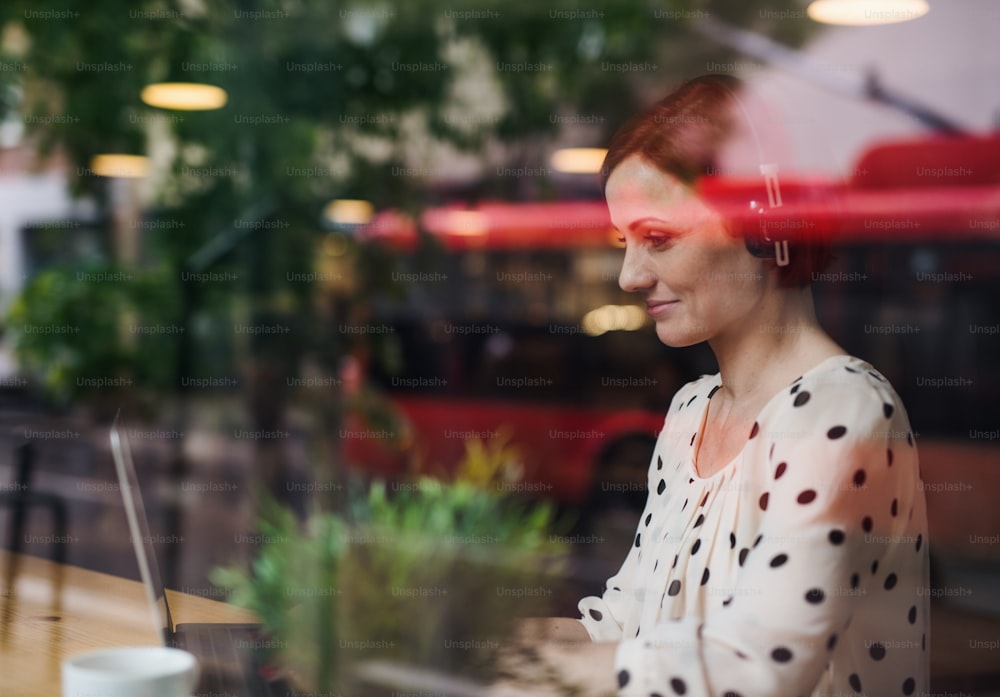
(634, 275)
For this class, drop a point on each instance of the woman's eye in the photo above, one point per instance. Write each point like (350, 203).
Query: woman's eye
(659, 241)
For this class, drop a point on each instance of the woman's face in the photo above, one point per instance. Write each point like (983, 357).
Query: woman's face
(699, 281)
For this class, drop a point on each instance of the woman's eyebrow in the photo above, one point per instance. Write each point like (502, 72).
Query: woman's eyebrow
(647, 220)
(643, 221)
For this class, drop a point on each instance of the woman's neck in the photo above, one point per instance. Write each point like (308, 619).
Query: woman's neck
(771, 347)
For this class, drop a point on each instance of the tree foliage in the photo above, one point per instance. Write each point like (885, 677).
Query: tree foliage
(351, 88)
(334, 99)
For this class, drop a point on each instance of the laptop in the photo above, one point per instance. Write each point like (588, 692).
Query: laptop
(228, 664)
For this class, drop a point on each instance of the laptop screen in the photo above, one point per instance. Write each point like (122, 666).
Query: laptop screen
(138, 526)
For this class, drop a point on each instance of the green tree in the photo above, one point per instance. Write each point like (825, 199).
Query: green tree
(326, 100)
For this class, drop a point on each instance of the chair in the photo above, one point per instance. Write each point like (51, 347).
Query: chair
(21, 498)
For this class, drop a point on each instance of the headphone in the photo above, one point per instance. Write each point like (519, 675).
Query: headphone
(762, 242)
(767, 245)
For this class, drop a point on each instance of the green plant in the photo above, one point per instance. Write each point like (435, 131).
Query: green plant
(431, 573)
(439, 549)
(292, 586)
(95, 332)
(490, 464)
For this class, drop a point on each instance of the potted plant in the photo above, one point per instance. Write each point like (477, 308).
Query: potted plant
(427, 573)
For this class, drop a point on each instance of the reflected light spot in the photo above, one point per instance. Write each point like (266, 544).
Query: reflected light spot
(349, 211)
(610, 318)
(466, 223)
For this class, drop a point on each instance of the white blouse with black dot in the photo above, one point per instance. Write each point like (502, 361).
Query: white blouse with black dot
(799, 569)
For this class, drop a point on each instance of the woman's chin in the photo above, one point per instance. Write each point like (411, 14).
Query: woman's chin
(678, 339)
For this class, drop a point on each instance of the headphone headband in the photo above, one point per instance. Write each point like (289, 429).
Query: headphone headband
(765, 246)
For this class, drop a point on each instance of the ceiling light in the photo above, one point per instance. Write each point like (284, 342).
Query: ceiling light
(578, 160)
(866, 12)
(120, 166)
(186, 96)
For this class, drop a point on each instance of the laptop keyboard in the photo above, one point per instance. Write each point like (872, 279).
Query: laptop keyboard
(229, 665)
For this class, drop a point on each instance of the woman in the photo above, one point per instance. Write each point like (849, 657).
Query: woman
(783, 547)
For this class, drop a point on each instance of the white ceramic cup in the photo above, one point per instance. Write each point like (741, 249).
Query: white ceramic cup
(135, 671)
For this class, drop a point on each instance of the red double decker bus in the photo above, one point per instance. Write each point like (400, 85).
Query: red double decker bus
(512, 330)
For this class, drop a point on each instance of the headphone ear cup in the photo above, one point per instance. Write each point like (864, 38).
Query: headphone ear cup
(753, 237)
(756, 247)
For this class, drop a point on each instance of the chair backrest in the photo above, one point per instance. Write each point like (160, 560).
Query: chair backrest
(21, 497)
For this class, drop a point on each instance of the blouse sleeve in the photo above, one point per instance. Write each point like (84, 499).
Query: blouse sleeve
(603, 617)
(828, 501)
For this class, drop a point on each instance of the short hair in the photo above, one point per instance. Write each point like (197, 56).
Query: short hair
(683, 135)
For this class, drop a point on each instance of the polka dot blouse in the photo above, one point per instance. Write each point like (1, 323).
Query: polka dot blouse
(798, 569)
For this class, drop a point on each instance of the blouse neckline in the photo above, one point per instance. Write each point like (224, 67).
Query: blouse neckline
(717, 383)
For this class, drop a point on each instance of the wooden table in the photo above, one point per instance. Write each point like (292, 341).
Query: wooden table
(50, 611)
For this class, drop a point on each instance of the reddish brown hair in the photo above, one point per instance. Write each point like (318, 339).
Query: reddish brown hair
(683, 135)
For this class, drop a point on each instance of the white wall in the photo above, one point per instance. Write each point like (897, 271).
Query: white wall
(26, 199)
(948, 60)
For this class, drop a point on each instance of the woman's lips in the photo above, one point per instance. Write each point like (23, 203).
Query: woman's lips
(658, 308)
